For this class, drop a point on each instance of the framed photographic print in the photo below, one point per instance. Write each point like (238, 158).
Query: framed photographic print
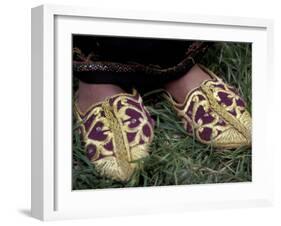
(136, 112)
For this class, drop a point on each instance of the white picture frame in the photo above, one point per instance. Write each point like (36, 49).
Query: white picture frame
(52, 197)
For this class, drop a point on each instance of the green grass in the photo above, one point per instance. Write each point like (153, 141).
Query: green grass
(176, 158)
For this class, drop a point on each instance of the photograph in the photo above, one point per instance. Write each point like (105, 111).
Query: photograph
(160, 112)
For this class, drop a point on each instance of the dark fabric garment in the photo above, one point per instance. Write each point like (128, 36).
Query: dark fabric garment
(148, 52)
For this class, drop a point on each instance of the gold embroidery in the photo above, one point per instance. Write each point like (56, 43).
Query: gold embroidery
(237, 129)
(221, 111)
(122, 162)
(121, 149)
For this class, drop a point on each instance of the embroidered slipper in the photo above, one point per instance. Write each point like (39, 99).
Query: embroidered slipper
(215, 113)
(117, 133)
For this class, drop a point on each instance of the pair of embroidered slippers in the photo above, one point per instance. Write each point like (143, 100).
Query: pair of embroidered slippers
(118, 131)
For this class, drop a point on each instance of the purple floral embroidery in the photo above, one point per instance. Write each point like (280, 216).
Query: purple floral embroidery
(98, 133)
(91, 151)
(224, 99)
(135, 122)
(203, 119)
(206, 134)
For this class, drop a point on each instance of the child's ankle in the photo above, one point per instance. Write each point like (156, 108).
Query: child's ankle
(90, 94)
(182, 86)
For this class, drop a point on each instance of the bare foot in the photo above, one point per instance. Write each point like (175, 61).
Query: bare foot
(192, 79)
(89, 94)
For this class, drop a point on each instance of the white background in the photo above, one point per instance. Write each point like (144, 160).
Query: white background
(15, 112)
